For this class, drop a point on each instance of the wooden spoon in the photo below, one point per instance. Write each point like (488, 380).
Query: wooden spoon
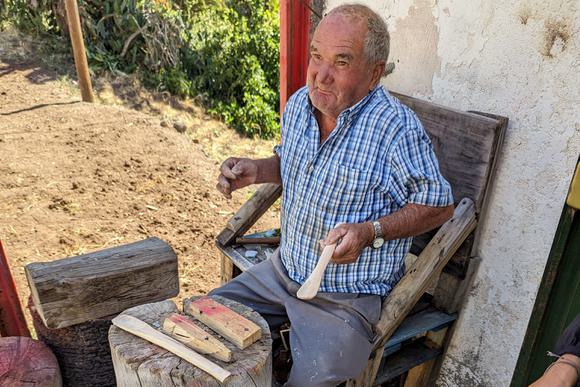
(310, 287)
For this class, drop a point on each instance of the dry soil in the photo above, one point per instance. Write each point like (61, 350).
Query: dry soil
(77, 177)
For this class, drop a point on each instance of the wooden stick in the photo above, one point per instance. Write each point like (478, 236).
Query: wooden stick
(310, 287)
(251, 211)
(258, 241)
(145, 331)
(184, 330)
(429, 263)
(76, 37)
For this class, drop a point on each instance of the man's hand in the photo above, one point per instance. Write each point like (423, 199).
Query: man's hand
(352, 238)
(236, 173)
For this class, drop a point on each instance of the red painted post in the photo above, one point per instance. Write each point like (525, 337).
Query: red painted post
(12, 322)
(294, 29)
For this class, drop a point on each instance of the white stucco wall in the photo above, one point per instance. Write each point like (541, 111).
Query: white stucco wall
(519, 59)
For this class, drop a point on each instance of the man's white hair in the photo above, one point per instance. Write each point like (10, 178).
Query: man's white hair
(376, 47)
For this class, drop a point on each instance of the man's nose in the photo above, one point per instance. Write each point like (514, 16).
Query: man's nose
(324, 73)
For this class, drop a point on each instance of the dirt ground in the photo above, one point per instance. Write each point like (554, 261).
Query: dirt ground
(77, 177)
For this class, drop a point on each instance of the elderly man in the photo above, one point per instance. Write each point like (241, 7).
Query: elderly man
(356, 168)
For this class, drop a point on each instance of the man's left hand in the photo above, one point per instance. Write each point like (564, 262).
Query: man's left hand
(352, 238)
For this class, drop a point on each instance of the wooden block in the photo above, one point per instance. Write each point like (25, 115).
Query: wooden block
(79, 289)
(139, 362)
(145, 331)
(183, 329)
(239, 330)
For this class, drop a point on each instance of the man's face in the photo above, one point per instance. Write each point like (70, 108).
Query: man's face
(338, 74)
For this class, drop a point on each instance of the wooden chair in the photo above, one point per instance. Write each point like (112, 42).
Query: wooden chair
(413, 328)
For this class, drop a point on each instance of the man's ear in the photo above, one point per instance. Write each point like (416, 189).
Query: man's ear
(378, 72)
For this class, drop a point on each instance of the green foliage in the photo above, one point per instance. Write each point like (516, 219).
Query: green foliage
(125, 35)
(232, 59)
(225, 51)
(30, 16)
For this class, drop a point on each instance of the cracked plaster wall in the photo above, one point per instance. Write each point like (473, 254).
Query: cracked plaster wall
(518, 59)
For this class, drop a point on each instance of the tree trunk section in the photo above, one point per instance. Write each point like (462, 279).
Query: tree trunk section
(140, 363)
(82, 351)
(27, 362)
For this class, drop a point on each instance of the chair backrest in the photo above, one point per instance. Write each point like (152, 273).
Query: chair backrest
(465, 143)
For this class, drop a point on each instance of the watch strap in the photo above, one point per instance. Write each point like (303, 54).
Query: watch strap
(378, 229)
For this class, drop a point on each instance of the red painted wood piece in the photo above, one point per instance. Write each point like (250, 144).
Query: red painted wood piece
(236, 328)
(294, 29)
(27, 362)
(12, 321)
(211, 308)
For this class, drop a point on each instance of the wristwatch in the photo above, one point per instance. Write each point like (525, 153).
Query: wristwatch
(379, 238)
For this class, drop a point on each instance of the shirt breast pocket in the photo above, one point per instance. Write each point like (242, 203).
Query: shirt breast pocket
(350, 192)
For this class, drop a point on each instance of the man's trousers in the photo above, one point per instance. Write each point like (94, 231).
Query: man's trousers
(330, 336)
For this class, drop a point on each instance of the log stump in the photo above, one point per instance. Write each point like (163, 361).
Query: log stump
(82, 350)
(27, 362)
(138, 362)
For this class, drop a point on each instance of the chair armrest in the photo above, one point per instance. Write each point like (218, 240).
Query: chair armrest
(249, 213)
(429, 263)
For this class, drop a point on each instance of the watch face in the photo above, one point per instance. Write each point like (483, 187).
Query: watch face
(378, 242)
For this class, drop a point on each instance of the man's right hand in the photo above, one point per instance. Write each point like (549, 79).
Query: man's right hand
(236, 173)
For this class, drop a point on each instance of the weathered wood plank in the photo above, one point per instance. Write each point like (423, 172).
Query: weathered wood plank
(402, 361)
(78, 289)
(239, 330)
(251, 211)
(450, 293)
(465, 144)
(420, 376)
(426, 320)
(236, 253)
(184, 330)
(411, 287)
(431, 261)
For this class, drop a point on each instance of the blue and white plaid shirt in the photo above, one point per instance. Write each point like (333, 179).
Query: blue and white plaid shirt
(377, 159)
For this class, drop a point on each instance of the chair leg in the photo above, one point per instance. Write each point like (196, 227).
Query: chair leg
(227, 269)
(420, 376)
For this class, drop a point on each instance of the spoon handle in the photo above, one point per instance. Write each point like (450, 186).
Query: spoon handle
(310, 287)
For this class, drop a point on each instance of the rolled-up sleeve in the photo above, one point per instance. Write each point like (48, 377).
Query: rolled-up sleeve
(416, 176)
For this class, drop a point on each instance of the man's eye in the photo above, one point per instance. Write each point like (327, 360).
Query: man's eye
(315, 56)
(341, 63)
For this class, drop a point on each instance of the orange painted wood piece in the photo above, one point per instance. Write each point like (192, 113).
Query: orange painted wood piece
(186, 331)
(239, 330)
(27, 362)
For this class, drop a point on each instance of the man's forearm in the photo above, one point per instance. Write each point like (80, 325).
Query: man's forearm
(268, 170)
(413, 219)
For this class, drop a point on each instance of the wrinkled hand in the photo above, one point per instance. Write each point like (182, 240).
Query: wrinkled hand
(236, 173)
(352, 238)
